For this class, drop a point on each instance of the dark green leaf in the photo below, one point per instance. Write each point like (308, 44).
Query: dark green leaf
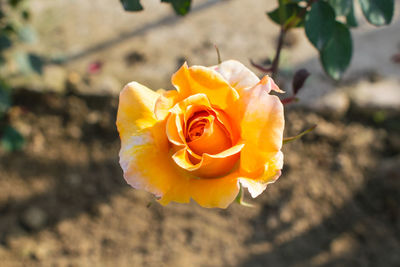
(290, 16)
(5, 42)
(337, 52)
(5, 100)
(132, 5)
(181, 7)
(11, 139)
(26, 15)
(341, 7)
(320, 23)
(378, 12)
(14, 3)
(351, 18)
(28, 63)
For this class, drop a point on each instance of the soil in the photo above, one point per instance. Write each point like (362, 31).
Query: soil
(63, 200)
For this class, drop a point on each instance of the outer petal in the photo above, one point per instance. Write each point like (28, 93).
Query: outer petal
(272, 171)
(209, 193)
(199, 79)
(144, 142)
(135, 109)
(237, 75)
(262, 130)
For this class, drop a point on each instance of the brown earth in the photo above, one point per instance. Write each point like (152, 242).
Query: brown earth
(63, 201)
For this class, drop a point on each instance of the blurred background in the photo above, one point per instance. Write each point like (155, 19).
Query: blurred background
(64, 202)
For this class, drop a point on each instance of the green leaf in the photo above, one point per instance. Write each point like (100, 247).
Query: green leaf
(341, 7)
(240, 196)
(5, 42)
(131, 5)
(28, 63)
(351, 18)
(320, 23)
(181, 7)
(11, 139)
(5, 99)
(336, 54)
(290, 16)
(378, 12)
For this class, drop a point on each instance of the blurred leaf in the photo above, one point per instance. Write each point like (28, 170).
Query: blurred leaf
(14, 3)
(298, 80)
(341, 7)
(28, 63)
(336, 54)
(378, 12)
(290, 15)
(181, 7)
(351, 18)
(11, 139)
(26, 15)
(320, 23)
(5, 42)
(27, 34)
(5, 100)
(132, 5)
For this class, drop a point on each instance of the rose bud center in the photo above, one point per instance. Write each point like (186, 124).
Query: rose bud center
(206, 134)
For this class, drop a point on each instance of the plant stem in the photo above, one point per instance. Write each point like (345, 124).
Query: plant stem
(275, 62)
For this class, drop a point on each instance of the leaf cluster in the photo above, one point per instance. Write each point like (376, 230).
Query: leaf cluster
(181, 7)
(327, 26)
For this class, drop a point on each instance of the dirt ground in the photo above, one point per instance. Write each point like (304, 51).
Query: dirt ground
(64, 202)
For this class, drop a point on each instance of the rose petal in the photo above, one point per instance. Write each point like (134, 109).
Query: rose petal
(272, 171)
(164, 103)
(236, 74)
(261, 129)
(214, 140)
(135, 110)
(199, 79)
(210, 166)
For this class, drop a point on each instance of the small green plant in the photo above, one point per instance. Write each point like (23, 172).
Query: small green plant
(14, 28)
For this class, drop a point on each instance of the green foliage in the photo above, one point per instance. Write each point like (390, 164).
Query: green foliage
(5, 100)
(290, 15)
(13, 29)
(181, 7)
(132, 5)
(29, 63)
(11, 139)
(319, 25)
(342, 7)
(330, 37)
(351, 20)
(336, 53)
(378, 12)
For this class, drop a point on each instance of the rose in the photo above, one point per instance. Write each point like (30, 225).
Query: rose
(219, 130)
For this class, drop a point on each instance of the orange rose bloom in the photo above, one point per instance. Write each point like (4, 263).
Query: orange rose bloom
(218, 130)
